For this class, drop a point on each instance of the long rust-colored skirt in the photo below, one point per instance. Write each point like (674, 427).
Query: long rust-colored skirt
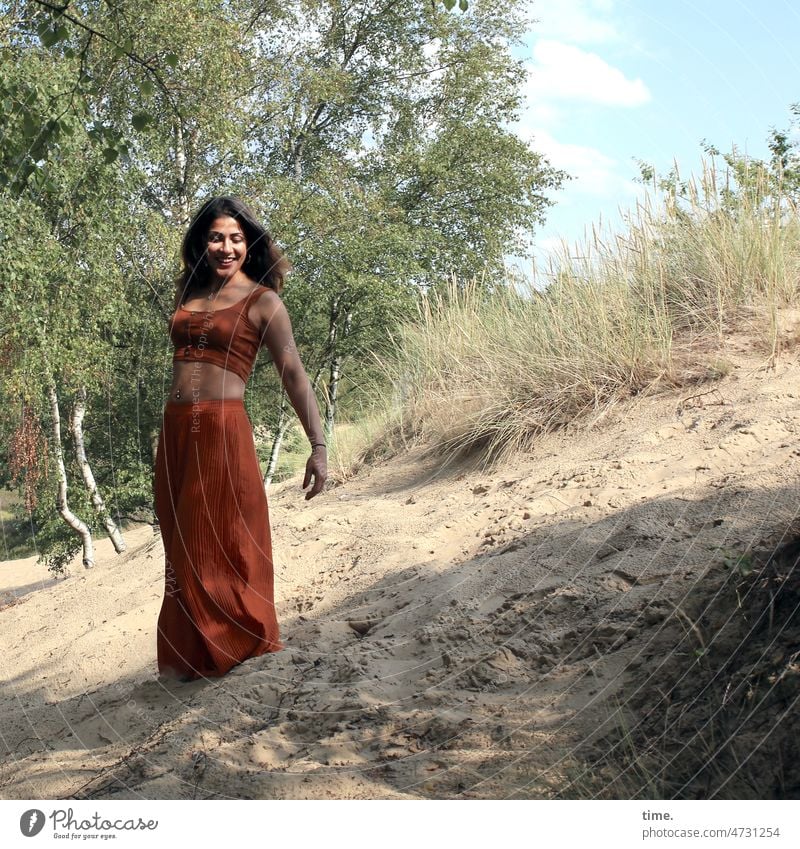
(218, 607)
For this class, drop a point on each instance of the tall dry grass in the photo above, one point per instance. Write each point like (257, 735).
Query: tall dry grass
(650, 308)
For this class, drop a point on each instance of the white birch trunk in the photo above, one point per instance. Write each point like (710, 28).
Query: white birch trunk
(180, 162)
(333, 387)
(78, 412)
(67, 515)
(283, 426)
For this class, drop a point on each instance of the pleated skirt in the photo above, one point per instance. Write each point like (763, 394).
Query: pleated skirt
(218, 608)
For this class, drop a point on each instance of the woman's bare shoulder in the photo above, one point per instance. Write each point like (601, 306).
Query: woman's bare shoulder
(267, 293)
(267, 307)
(267, 300)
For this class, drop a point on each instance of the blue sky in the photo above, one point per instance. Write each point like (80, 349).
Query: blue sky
(611, 81)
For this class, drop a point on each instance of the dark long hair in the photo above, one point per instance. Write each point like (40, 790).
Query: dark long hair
(265, 261)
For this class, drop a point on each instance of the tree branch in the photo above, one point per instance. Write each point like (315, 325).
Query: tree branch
(62, 12)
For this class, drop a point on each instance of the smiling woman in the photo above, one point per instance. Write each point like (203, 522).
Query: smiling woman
(218, 608)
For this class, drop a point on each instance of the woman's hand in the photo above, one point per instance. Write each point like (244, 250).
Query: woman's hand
(316, 467)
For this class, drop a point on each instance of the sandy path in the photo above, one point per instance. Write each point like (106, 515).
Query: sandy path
(449, 632)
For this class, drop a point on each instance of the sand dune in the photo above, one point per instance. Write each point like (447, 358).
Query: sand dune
(450, 632)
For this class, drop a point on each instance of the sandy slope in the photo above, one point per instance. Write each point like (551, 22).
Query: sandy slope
(494, 617)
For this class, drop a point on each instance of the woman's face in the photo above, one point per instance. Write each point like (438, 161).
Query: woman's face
(226, 246)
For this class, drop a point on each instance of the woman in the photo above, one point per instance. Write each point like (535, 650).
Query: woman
(218, 606)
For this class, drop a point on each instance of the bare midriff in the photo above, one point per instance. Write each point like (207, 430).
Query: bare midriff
(197, 381)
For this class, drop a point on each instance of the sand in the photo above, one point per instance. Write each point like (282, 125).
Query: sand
(450, 632)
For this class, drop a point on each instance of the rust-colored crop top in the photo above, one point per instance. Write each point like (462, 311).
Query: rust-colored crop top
(224, 337)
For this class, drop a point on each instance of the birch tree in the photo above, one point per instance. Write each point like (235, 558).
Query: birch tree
(371, 138)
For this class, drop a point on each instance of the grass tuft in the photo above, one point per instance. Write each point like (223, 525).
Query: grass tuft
(489, 371)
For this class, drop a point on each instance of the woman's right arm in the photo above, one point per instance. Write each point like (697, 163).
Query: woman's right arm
(278, 338)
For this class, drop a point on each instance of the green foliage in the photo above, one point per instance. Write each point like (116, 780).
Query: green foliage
(746, 179)
(56, 543)
(59, 551)
(785, 148)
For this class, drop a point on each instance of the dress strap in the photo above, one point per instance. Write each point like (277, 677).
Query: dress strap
(244, 308)
(259, 290)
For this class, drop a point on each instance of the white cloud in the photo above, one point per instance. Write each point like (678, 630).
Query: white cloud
(542, 114)
(593, 172)
(565, 72)
(576, 21)
(551, 245)
(573, 92)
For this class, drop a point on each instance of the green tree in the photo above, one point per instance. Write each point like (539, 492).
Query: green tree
(372, 138)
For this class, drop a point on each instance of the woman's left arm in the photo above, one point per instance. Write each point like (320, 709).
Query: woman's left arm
(278, 338)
